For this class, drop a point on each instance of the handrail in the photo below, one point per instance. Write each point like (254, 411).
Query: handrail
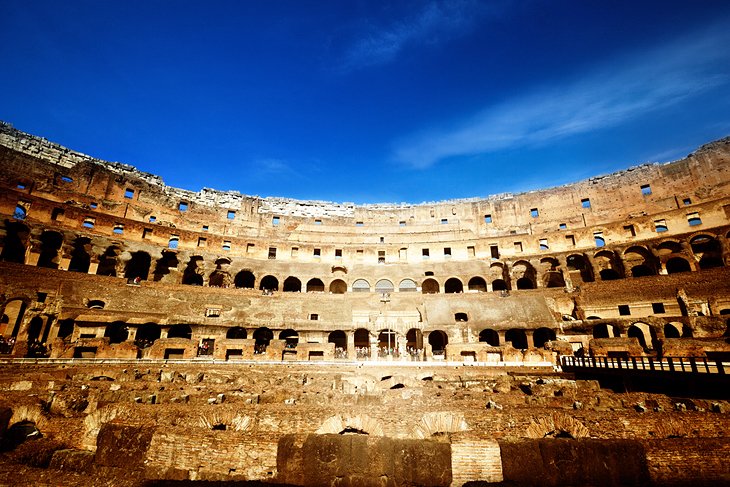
(685, 365)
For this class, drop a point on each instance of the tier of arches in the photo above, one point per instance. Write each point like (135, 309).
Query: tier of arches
(700, 251)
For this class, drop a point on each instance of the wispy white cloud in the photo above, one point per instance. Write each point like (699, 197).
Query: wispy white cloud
(614, 92)
(436, 21)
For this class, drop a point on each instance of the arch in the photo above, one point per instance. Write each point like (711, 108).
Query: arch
(578, 269)
(360, 286)
(50, 245)
(116, 332)
(453, 286)
(138, 266)
(387, 342)
(557, 425)
(80, 255)
(269, 283)
(414, 340)
(363, 424)
(245, 279)
(180, 331)
(677, 264)
(339, 338)
(439, 423)
(193, 273)
(525, 283)
(517, 338)
(407, 286)
(606, 263)
(147, 334)
(20, 432)
(438, 339)
(338, 286)
(499, 285)
(384, 286)
(220, 278)
(315, 285)
(15, 245)
(292, 285)
(477, 284)
(15, 312)
(290, 336)
(167, 261)
(672, 331)
(430, 286)
(262, 337)
(605, 330)
(643, 332)
(542, 335)
(551, 274)
(708, 250)
(237, 333)
(639, 261)
(109, 261)
(668, 247)
(362, 338)
(489, 336)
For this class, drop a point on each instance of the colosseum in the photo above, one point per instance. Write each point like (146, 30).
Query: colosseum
(151, 335)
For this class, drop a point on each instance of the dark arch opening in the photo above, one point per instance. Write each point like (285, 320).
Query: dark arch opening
(292, 285)
(438, 341)
(108, 262)
(670, 331)
(499, 285)
(517, 338)
(604, 330)
(220, 278)
(164, 264)
(180, 331)
(541, 336)
(608, 275)
(554, 279)
(65, 328)
(16, 242)
(430, 286)
(489, 336)
(387, 342)
(414, 340)
(477, 284)
(116, 332)
(635, 332)
(453, 285)
(245, 280)
(193, 273)
(262, 337)
(339, 338)
(147, 334)
(237, 332)
(525, 283)
(291, 337)
(709, 251)
(641, 270)
(19, 433)
(50, 245)
(315, 286)
(269, 283)
(362, 343)
(138, 266)
(677, 264)
(578, 269)
(80, 255)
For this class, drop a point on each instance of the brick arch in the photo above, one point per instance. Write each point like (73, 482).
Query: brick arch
(94, 421)
(237, 422)
(339, 424)
(439, 422)
(556, 425)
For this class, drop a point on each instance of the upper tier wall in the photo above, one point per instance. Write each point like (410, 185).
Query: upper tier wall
(44, 173)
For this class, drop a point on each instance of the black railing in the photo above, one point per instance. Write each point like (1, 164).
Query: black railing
(694, 365)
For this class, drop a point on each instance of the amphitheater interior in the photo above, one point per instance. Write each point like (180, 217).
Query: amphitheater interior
(577, 335)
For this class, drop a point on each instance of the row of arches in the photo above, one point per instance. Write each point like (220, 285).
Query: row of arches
(635, 261)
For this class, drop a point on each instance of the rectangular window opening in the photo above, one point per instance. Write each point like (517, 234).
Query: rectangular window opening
(231, 214)
(444, 221)
(447, 252)
(657, 308)
(487, 218)
(694, 219)
(624, 310)
(275, 220)
(146, 233)
(585, 202)
(686, 201)
(570, 239)
(338, 253)
(202, 242)
(272, 253)
(173, 242)
(249, 248)
(646, 189)
(317, 253)
(381, 256)
(425, 253)
(494, 251)
(470, 251)
(544, 244)
(129, 193)
(226, 245)
(317, 222)
(183, 206)
(118, 229)
(534, 213)
(660, 226)
(563, 226)
(518, 246)
(630, 230)
(153, 219)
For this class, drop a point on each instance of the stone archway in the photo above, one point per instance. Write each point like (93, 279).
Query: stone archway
(557, 425)
(340, 425)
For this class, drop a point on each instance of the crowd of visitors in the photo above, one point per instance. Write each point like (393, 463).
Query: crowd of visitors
(6, 345)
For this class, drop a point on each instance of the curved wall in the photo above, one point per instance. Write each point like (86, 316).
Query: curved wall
(483, 262)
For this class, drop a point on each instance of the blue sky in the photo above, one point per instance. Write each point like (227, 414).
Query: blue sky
(365, 101)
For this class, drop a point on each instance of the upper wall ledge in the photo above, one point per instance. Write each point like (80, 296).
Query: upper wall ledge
(59, 155)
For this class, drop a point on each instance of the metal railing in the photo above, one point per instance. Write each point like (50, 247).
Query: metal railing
(694, 365)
